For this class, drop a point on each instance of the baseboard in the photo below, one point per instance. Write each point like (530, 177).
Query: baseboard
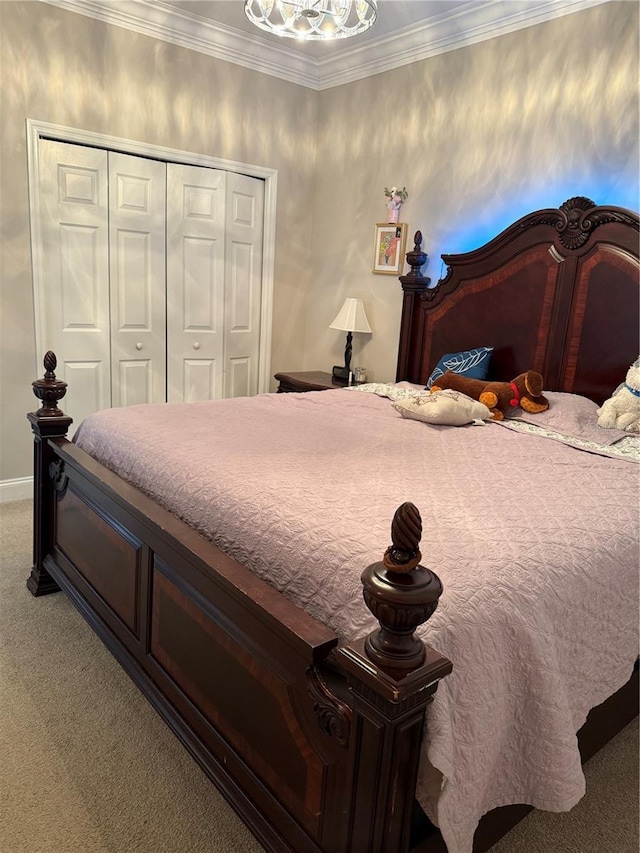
(16, 490)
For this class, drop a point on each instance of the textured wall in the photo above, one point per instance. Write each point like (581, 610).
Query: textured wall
(479, 136)
(65, 68)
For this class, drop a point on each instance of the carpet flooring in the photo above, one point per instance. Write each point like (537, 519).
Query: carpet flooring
(87, 766)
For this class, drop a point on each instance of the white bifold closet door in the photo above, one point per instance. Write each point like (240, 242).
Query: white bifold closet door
(137, 250)
(72, 304)
(152, 278)
(214, 277)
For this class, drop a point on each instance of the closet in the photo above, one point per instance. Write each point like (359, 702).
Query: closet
(151, 277)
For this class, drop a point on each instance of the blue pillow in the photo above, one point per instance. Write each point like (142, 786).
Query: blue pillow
(473, 363)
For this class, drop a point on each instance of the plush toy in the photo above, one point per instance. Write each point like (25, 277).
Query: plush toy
(500, 397)
(622, 409)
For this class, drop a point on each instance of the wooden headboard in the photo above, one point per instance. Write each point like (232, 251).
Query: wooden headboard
(557, 292)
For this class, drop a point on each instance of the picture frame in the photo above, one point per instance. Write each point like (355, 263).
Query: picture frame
(389, 248)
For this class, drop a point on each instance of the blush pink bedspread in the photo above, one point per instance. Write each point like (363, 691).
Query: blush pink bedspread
(536, 544)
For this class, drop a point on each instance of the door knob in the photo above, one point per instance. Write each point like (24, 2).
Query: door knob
(196, 345)
(138, 345)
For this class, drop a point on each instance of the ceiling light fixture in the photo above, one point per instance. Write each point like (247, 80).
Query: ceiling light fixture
(321, 20)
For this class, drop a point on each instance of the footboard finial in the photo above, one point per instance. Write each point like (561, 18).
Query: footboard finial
(49, 390)
(401, 594)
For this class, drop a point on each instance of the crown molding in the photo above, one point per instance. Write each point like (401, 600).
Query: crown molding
(164, 22)
(464, 26)
(449, 30)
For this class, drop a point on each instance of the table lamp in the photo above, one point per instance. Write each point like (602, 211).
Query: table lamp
(351, 318)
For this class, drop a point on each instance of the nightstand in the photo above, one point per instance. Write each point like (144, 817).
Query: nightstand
(312, 380)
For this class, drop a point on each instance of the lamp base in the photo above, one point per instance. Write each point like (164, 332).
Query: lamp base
(340, 374)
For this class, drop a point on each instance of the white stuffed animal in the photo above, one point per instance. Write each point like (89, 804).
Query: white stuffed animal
(622, 409)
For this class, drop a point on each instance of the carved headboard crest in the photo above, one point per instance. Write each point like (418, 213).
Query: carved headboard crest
(574, 222)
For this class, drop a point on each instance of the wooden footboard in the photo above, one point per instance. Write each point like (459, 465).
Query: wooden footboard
(315, 743)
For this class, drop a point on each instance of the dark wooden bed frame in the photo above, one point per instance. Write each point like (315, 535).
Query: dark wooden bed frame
(329, 761)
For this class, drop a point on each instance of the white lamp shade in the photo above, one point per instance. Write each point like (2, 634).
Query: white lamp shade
(351, 317)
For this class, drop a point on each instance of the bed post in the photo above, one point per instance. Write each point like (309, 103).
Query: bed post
(412, 322)
(48, 422)
(392, 677)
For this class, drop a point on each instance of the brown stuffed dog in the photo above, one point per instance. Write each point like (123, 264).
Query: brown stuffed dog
(501, 397)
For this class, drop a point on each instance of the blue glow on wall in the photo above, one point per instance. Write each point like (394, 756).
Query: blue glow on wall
(485, 225)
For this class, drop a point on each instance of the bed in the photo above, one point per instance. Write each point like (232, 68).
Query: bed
(218, 612)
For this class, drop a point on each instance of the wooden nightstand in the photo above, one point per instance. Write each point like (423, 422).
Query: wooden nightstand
(312, 380)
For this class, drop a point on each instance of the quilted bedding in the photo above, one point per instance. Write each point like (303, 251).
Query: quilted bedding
(536, 544)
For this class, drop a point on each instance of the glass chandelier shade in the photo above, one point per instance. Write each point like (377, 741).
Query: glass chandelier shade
(312, 19)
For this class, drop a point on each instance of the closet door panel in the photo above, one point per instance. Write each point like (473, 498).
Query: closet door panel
(137, 212)
(72, 299)
(89, 387)
(239, 375)
(135, 380)
(201, 380)
(244, 241)
(195, 282)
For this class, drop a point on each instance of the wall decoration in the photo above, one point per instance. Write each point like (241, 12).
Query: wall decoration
(395, 199)
(389, 245)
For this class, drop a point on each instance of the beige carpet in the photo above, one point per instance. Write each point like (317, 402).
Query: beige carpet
(87, 766)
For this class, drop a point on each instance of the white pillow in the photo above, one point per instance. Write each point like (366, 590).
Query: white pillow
(572, 415)
(447, 408)
(409, 386)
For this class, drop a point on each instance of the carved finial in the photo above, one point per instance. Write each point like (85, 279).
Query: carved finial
(417, 258)
(406, 532)
(50, 364)
(401, 594)
(49, 389)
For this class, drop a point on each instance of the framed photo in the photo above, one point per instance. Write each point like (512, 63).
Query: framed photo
(388, 247)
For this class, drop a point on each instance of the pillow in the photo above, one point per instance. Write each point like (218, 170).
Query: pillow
(473, 363)
(408, 386)
(447, 408)
(572, 415)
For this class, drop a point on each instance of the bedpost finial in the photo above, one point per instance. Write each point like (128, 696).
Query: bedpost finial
(401, 594)
(406, 532)
(50, 364)
(416, 259)
(49, 390)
